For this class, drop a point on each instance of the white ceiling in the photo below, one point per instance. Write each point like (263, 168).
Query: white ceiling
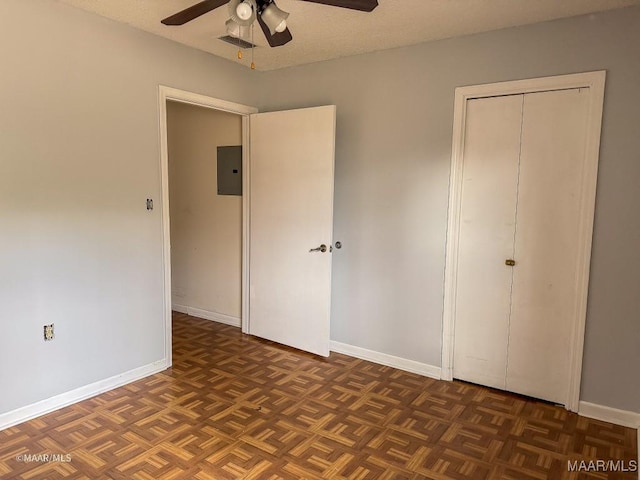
(322, 32)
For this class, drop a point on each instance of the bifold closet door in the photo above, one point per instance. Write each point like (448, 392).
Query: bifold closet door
(486, 239)
(554, 130)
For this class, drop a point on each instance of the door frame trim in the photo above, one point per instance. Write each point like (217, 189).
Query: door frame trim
(595, 81)
(165, 94)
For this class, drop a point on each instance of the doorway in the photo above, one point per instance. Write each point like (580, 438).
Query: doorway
(168, 94)
(286, 248)
(493, 320)
(205, 196)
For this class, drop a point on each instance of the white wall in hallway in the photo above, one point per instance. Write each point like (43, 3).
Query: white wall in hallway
(206, 228)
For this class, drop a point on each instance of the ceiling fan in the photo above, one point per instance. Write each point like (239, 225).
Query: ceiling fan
(272, 20)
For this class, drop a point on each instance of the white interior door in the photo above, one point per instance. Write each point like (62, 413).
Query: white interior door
(486, 239)
(552, 168)
(291, 213)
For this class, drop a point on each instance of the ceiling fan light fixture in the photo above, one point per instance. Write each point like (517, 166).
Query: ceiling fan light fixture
(274, 18)
(243, 12)
(282, 27)
(236, 30)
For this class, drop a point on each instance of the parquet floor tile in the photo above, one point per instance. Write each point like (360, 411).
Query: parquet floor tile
(237, 407)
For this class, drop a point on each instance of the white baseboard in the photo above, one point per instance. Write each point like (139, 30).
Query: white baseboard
(23, 414)
(207, 315)
(611, 415)
(180, 308)
(388, 360)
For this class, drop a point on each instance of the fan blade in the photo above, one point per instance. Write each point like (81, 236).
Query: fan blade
(193, 12)
(277, 39)
(362, 5)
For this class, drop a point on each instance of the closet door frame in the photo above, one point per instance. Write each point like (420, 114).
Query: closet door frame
(595, 82)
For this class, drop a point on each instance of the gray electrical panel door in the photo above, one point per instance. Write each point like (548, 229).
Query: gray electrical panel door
(230, 170)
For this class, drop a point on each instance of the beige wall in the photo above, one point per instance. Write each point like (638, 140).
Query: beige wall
(206, 228)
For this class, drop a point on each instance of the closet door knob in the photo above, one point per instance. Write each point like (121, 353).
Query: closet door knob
(510, 262)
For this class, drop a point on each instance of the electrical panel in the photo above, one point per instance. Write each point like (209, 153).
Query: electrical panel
(230, 170)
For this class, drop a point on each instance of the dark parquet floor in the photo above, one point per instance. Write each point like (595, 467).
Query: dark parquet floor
(236, 407)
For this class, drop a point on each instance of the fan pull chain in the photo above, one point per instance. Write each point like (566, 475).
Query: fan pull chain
(239, 49)
(253, 65)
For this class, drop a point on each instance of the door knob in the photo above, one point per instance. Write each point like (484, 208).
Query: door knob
(322, 248)
(510, 262)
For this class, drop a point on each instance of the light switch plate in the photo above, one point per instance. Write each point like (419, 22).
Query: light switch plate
(48, 332)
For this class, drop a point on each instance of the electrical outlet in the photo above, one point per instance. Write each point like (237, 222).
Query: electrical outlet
(48, 332)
